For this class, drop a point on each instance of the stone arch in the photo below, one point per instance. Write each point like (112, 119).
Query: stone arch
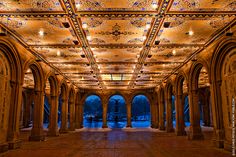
(89, 94)
(10, 59)
(181, 77)
(221, 59)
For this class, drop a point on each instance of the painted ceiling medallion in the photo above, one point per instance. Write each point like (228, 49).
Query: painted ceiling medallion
(116, 32)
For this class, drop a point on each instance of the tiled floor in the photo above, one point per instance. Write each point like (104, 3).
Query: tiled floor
(118, 143)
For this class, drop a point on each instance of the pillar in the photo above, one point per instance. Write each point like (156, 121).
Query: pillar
(77, 126)
(28, 102)
(104, 114)
(161, 115)
(157, 115)
(179, 106)
(37, 133)
(195, 131)
(153, 115)
(64, 116)
(206, 110)
(53, 126)
(128, 108)
(80, 116)
(14, 116)
(72, 115)
(169, 121)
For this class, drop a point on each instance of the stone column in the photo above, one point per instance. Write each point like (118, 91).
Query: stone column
(195, 131)
(72, 115)
(153, 115)
(179, 106)
(169, 121)
(53, 126)
(14, 116)
(28, 102)
(206, 111)
(128, 108)
(161, 115)
(77, 115)
(37, 133)
(80, 116)
(157, 115)
(64, 116)
(104, 114)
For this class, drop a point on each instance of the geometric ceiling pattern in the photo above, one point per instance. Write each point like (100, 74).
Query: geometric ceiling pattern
(116, 44)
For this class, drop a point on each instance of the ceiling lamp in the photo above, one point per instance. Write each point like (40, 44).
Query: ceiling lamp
(190, 33)
(88, 37)
(84, 25)
(174, 52)
(154, 5)
(148, 25)
(41, 32)
(144, 37)
(58, 53)
(77, 5)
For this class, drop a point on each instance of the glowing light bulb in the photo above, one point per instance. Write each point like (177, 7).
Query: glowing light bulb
(174, 52)
(58, 53)
(89, 37)
(190, 33)
(84, 25)
(148, 25)
(144, 37)
(154, 5)
(41, 32)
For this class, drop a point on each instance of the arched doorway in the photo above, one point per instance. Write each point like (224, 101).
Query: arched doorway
(223, 75)
(92, 117)
(199, 101)
(140, 111)
(116, 113)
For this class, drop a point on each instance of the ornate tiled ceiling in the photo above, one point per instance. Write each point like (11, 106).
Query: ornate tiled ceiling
(116, 44)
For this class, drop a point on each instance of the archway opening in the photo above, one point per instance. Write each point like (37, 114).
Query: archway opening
(204, 98)
(140, 111)
(92, 117)
(184, 93)
(28, 100)
(116, 114)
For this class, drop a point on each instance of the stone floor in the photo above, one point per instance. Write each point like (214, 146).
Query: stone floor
(118, 143)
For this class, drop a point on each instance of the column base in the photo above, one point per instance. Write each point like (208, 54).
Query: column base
(181, 133)
(170, 130)
(195, 133)
(161, 128)
(104, 126)
(154, 126)
(63, 131)
(128, 126)
(218, 138)
(37, 138)
(14, 144)
(53, 134)
(3, 147)
(72, 129)
(227, 145)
